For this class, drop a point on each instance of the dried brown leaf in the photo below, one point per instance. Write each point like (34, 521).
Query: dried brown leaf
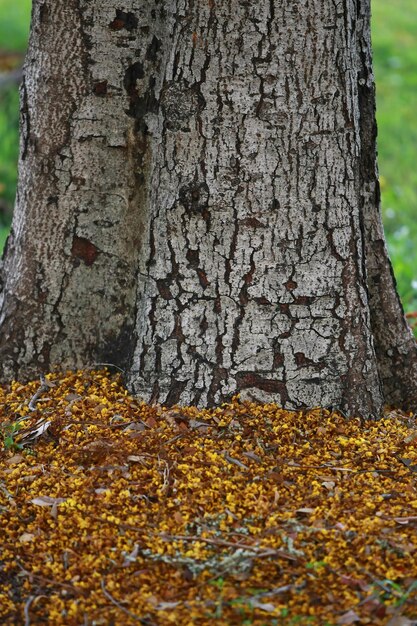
(15, 459)
(400, 620)
(230, 459)
(268, 607)
(47, 501)
(26, 537)
(348, 618)
(253, 456)
(197, 424)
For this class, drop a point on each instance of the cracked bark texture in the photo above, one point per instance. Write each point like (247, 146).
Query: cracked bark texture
(198, 204)
(69, 269)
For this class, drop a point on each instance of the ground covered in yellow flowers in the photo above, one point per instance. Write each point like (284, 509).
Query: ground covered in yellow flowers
(115, 512)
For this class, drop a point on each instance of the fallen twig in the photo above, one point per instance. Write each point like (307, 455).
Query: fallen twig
(108, 365)
(260, 552)
(44, 386)
(121, 607)
(43, 579)
(26, 610)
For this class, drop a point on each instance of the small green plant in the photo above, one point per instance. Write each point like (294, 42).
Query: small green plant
(218, 582)
(9, 431)
(316, 565)
(218, 609)
(387, 589)
(405, 594)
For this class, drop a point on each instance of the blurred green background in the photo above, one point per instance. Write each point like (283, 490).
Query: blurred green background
(394, 35)
(395, 58)
(14, 28)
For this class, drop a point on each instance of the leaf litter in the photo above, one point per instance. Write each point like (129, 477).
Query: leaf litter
(118, 512)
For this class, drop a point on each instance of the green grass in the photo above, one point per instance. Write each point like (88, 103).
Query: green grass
(395, 62)
(9, 143)
(14, 28)
(14, 24)
(4, 231)
(395, 58)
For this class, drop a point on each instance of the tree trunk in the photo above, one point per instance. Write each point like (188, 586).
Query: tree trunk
(198, 204)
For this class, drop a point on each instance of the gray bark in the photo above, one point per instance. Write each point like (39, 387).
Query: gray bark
(70, 264)
(198, 204)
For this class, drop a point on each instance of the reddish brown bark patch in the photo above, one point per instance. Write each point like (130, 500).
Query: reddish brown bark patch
(290, 285)
(252, 222)
(124, 19)
(85, 250)
(164, 290)
(249, 379)
(100, 88)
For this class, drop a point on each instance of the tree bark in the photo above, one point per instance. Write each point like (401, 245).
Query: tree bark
(198, 204)
(70, 264)
(395, 346)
